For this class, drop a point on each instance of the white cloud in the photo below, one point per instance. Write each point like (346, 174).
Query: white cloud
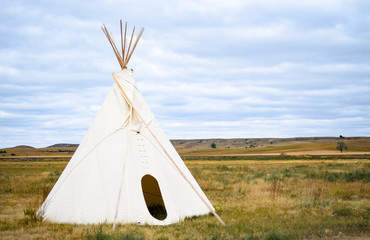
(5, 70)
(5, 114)
(341, 67)
(206, 68)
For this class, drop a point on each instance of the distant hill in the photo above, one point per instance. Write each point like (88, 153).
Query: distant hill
(22, 146)
(217, 147)
(184, 145)
(240, 146)
(255, 142)
(62, 145)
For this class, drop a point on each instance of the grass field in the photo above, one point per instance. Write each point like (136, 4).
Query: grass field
(257, 199)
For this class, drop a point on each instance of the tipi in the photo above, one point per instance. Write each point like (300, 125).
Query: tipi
(125, 169)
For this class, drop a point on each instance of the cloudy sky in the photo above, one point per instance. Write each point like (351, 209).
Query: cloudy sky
(207, 68)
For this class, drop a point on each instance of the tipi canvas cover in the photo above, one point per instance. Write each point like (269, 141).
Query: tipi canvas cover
(125, 169)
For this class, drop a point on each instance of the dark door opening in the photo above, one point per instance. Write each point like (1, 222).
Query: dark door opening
(153, 197)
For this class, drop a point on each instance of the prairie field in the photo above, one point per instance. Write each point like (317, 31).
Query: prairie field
(257, 199)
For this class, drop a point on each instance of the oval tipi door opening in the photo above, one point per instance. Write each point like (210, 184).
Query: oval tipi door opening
(153, 197)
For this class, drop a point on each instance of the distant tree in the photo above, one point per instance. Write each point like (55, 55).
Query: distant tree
(340, 136)
(341, 146)
(213, 145)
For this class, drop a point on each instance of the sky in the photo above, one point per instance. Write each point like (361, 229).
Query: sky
(207, 68)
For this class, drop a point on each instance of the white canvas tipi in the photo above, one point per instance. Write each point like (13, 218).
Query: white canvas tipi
(125, 169)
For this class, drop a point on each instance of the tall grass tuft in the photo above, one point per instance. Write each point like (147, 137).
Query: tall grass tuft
(30, 215)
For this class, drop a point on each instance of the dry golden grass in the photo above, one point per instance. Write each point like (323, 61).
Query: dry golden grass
(274, 199)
